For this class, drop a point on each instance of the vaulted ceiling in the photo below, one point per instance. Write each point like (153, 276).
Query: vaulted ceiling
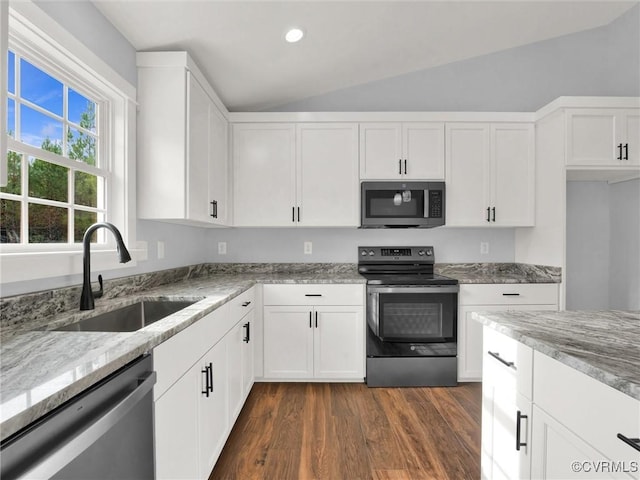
(239, 45)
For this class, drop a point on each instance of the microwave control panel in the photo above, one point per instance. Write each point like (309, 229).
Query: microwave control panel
(435, 203)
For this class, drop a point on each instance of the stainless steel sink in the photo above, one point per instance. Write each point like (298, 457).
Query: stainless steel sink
(130, 318)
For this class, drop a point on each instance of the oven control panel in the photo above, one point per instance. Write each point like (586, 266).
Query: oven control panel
(391, 254)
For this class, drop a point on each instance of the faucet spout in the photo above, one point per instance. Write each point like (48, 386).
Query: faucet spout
(87, 295)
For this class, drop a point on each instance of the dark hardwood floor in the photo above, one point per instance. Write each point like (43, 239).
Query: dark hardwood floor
(346, 431)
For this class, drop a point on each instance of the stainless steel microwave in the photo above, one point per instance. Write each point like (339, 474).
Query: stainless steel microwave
(402, 204)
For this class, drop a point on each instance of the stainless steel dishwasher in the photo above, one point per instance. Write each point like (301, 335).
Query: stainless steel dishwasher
(106, 432)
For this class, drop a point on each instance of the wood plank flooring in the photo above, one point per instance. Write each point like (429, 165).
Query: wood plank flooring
(346, 431)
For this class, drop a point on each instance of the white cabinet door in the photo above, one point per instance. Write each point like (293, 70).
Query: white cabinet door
(213, 421)
(470, 343)
(423, 148)
(603, 137)
(411, 151)
(506, 433)
(219, 167)
(197, 188)
(380, 151)
(328, 192)
(264, 174)
(512, 174)
(176, 429)
(234, 358)
(559, 454)
(288, 342)
(630, 133)
(339, 342)
(468, 155)
(248, 352)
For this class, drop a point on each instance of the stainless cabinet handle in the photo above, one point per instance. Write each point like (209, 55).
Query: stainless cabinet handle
(497, 356)
(400, 167)
(626, 151)
(246, 304)
(493, 210)
(293, 214)
(632, 442)
(310, 320)
(214, 209)
(488, 214)
(519, 417)
(208, 379)
(316, 319)
(298, 214)
(405, 166)
(619, 152)
(312, 294)
(510, 294)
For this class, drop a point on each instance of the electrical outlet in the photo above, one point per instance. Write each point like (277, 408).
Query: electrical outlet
(484, 248)
(308, 248)
(160, 249)
(222, 248)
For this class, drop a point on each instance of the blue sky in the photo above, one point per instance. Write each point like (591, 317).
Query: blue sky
(46, 92)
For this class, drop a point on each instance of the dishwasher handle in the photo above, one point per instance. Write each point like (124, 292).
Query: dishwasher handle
(64, 454)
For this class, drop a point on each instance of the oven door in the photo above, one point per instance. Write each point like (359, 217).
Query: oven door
(413, 314)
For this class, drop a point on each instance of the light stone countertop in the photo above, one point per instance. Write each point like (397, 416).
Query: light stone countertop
(604, 345)
(41, 369)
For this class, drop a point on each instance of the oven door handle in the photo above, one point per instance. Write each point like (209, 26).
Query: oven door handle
(416, 289)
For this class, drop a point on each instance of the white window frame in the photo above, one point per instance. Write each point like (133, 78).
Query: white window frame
(34, 34)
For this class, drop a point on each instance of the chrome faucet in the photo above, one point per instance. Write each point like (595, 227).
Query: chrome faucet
(88, 295)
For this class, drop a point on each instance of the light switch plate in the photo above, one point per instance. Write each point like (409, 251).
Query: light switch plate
(160, 249)
(308, 248)
(222, 248)
(484, 248)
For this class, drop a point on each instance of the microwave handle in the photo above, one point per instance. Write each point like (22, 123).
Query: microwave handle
(426, 204)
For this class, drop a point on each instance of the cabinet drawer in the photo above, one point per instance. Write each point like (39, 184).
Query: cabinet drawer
(313, 294)
(509, 294)
(172, 358)
(507, 362)
(595, 412)
(242, 304)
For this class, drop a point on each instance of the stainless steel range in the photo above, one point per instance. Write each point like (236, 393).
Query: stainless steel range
(412, 318)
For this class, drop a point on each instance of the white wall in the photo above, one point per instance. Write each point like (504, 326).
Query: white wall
(624, 266)
(340, 244)
(603, 245)
(602, 61)
(588, 246)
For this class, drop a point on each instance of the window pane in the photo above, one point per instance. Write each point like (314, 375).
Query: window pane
(11, 72)
(11, 118)
(9, 221)
(82, 111)
(47, 224)
(47, 180)
(84, 220)
(86, 189)
(40, 88)
(14, 174)
(81, 146)
(40, 130)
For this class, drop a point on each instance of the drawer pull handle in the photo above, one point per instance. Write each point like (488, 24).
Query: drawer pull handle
(246, 304)
(510, 294)
(312, 294)
(519, 417)
(502, 360)
(632, 442)
(247, 329)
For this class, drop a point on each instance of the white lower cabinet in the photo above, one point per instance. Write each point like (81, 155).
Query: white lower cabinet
(496, 297)
(506, 408)
(577, 424)
(314, 341)
(204, 374)
(568, 426)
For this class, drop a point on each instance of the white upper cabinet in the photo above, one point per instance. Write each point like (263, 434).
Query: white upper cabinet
(290, 175)
(182, 143)
(264, 174)
(412, 151)
(490, 174)
(598, 137)
(328, 191)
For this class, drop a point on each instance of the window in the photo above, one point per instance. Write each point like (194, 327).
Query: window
(56, 182)
(71, 144)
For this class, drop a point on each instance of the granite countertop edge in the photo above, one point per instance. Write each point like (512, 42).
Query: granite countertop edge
(589, 368)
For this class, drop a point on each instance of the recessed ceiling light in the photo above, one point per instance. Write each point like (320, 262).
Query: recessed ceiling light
(294, 35)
